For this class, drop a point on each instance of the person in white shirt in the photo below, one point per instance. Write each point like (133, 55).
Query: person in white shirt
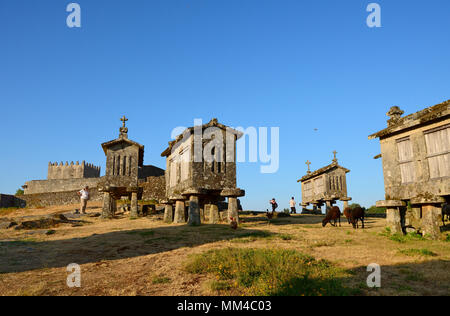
(292, 204)
(84, 198)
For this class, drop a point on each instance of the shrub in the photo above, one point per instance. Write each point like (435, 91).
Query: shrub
(376, 210)
(418, 252)
(161, 280)
(269, 272)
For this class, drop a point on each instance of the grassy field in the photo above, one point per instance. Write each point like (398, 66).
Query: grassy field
(287, 256)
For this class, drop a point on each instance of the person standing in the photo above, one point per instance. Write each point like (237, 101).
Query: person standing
(274, 205)
(292, 204)
(84, 198)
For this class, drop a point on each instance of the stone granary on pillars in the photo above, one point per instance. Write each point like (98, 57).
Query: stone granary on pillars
(201, 171)
(415, 151)
(324, 186)
(124, 159)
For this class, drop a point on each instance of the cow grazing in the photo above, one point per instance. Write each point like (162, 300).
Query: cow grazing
(357, 214)
(347, 213)
(334, 214)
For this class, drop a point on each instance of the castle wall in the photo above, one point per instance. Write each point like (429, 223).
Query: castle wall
(64, 192)
(59, 185)
(58, 198)
(72, 171)
(10, 201)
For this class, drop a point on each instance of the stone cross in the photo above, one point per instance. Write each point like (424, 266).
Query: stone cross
(309, 164)
(335, 153)
(124, 120)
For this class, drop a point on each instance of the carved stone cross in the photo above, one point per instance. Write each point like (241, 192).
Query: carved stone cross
(124, 120)
(335, 153)
(309, 164)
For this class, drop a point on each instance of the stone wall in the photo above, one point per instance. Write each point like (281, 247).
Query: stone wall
(10, 201)
(423, 186)
(58, 198)
(59, 185)
(154, 188)
(72, 170)
(150, 171)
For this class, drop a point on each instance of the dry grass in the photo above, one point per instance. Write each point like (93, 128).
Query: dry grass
(147, 257)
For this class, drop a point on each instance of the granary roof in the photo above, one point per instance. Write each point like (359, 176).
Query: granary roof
(397, 123)
(213, 123)
(323, 170)
(123, 139)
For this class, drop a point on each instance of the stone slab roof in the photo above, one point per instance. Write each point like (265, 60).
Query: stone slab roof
(429, 114)
(213, 123)
(323, 170)
(122, 140)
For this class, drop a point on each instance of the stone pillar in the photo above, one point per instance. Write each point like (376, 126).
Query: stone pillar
(194, 211)
(416, 212)
(179, 217)
(113, 206)
(202, 213)
(168, 214)
(329, 205)
(393, 219)
(134, 205)
(394, 211)
(431, 219)
(214, 217)
(233, 209)
(345, 204)
(107, 200)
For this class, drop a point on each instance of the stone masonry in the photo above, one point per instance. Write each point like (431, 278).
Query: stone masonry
(201, 172)
(415, 152)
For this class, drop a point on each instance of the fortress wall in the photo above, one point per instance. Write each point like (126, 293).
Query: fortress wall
(58, 198)
(72, 170)
(64, 191)
(7, 200)
(59, 185)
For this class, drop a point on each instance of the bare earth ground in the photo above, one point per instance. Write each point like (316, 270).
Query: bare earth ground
(128, 257)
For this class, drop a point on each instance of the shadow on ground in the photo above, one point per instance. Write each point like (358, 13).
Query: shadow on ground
(409, 279)
(20, 256)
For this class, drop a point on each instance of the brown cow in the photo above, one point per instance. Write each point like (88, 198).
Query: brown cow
(334, 214)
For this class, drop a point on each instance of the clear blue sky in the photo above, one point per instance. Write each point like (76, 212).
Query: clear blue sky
(297, 65)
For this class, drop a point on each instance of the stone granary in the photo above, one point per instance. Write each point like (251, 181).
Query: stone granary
(124, 159)
(325, 186)
(415, 151)
(201, 170)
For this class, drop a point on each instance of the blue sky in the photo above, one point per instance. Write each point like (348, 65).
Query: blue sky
(296, 65)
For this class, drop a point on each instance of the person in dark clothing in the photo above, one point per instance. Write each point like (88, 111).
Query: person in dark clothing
(274, 204)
